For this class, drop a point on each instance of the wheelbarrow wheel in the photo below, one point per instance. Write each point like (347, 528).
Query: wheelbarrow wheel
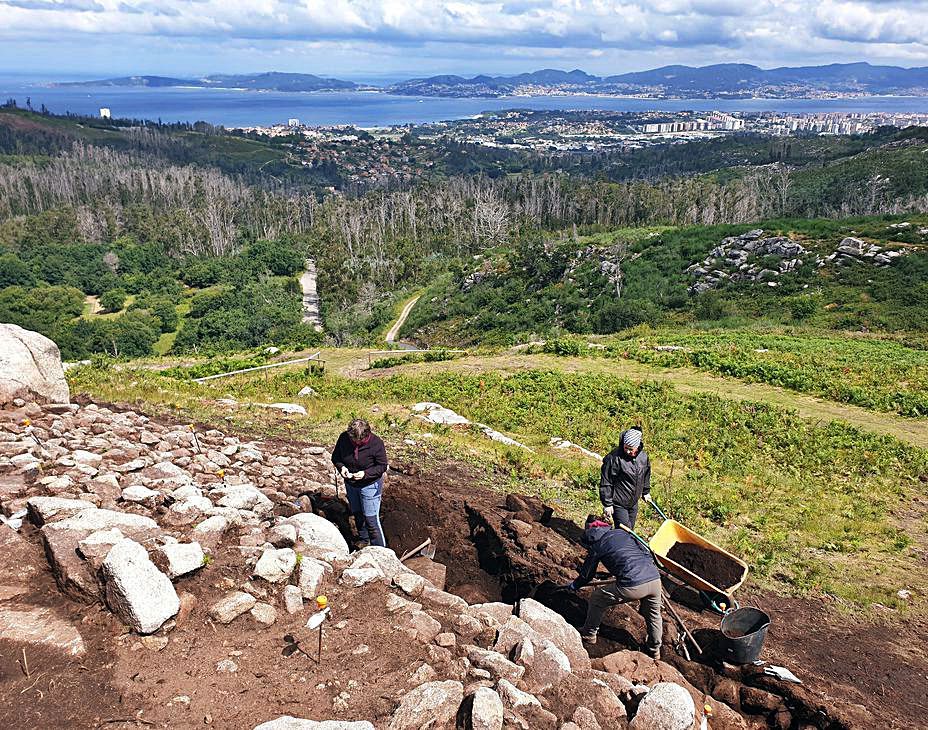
(718, 602)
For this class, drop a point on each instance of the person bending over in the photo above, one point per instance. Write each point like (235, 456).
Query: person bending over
(625, 479)
(636, 579)
(361, 458)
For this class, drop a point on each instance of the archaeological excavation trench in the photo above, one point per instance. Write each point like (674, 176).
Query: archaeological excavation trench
(501, 548)
(489, 547)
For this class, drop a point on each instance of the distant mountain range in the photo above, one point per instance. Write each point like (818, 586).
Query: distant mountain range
(718, 81)
(271, 81)
(728, 79)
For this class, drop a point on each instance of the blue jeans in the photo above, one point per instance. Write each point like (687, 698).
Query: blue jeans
(365, 506)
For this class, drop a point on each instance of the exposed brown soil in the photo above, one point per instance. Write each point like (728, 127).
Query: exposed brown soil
(855, 674)
(60, 691)
(714, 567)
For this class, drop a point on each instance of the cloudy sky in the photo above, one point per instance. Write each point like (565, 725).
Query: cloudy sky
(372, 39)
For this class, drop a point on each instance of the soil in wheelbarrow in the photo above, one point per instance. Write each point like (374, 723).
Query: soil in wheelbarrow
(710, 565)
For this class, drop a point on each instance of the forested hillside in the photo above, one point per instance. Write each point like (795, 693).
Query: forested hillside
(131, 238)
(611, 281)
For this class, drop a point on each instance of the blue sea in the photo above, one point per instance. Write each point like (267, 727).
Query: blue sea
(233, 108)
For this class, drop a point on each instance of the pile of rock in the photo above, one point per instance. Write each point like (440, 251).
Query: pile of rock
(755, 259)
(852, 250)
(750, 258)
(125, 505)
(494, 665)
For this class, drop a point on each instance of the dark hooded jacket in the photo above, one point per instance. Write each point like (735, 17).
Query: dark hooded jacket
(624, 557)
(624, 479)
(371, 458)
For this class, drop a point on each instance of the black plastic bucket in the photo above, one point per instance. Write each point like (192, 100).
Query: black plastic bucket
(744, 630)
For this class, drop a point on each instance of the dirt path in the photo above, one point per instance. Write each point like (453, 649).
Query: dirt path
(394, 331)
(310, 295)
(688, 381)
(92, 305)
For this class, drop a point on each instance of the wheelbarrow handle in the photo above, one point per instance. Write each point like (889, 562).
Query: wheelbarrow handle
(656, 508)
(635, 535)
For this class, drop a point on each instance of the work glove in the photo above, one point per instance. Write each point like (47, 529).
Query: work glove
(358, 475)
(572, 586)
(647, 498)
(343, 470)
(608, 512)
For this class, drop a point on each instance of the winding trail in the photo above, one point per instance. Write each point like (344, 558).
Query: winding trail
(310, 295)
(394, 331)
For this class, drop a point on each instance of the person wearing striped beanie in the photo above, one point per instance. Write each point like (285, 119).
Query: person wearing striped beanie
(625, 478)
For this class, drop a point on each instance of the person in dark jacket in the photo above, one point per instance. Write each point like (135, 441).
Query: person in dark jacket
(361, 458)
(636, 579)
(625, 479)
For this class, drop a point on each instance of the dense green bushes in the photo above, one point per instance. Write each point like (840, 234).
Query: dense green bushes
(113, 300)
(131, 334)
(437, 355)
(236, 318)
(46, 268)
(215, 366)
(44, 309)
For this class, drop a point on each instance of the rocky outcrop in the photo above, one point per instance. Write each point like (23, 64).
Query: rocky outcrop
(30, 367)
(753, 258)
(748, 258)
(852, 250)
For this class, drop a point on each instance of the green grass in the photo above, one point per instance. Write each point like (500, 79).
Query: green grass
(165, 343)
(812, 508)
(878, 374)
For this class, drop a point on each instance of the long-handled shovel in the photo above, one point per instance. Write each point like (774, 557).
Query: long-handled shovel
(657, 509)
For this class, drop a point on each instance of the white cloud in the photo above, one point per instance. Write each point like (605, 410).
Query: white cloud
(767, 32)
(874, 22)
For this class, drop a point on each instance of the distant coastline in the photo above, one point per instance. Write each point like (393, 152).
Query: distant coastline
(375, 108)
(719, 81)
(513, 96)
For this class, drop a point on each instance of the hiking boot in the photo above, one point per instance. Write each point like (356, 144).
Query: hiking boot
(588, 637)
(361, 544)
(653, 653)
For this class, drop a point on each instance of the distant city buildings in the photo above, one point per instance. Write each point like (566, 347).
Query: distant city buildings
(409, 152)
(715, 122)
(839, 123)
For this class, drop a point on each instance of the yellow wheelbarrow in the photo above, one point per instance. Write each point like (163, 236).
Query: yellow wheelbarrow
(671, 533)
